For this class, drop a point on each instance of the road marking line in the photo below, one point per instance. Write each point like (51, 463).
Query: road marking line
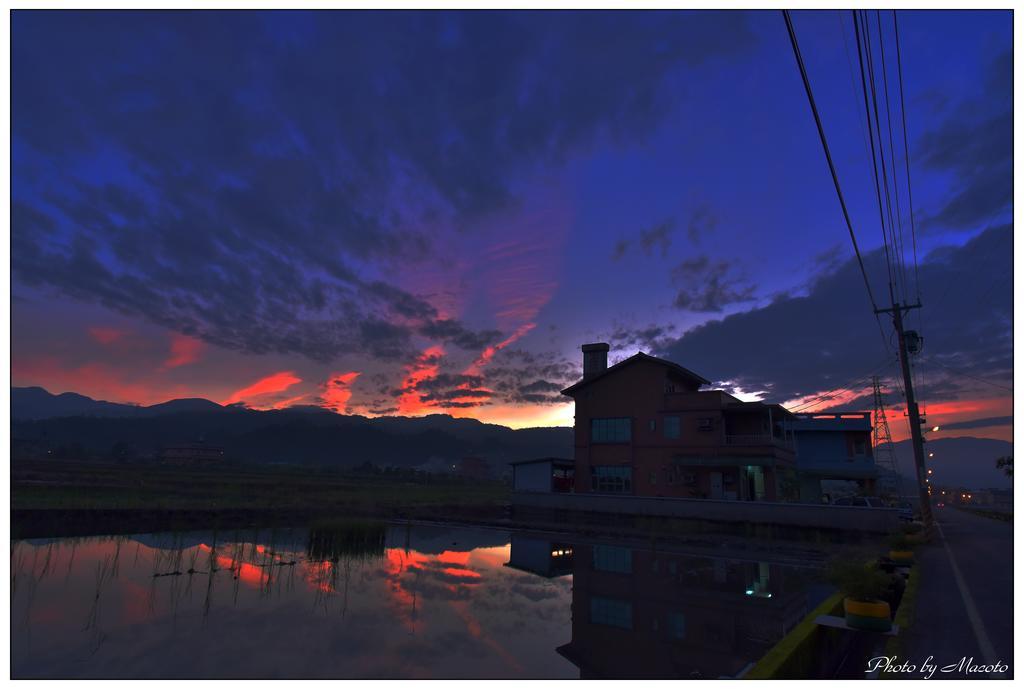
(980, 634)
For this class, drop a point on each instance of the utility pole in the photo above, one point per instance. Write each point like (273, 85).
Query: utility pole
(915, 417)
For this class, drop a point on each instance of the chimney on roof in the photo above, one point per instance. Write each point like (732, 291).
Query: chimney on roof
(595, 359)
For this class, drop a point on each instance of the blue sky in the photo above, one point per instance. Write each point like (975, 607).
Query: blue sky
(428, 212)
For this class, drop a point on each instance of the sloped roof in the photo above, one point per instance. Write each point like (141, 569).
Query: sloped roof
(639, 356)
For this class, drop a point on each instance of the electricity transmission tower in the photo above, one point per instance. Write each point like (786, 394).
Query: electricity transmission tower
(891, 484)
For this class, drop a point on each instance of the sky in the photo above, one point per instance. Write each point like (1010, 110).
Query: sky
(429, 212)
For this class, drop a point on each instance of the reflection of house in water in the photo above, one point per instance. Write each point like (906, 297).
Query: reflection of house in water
(639, 613)
(540, 556)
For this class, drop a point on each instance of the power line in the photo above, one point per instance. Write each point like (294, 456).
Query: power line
(853, 81)
(847, 387)
(874, 167)
(906, 152)
(892, 151)
(968, 375)
(894, 255)
(831, 165)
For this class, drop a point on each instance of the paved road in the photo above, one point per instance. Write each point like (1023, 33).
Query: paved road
(965, 603)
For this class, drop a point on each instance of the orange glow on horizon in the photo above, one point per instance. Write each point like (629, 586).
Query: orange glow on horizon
(96, 380)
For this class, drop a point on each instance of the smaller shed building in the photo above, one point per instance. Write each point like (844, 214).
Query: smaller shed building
(544, 475)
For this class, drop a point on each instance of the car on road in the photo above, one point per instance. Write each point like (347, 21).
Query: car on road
(860, 501)
(906, 511)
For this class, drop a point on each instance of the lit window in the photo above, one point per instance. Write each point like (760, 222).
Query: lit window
(671, 426)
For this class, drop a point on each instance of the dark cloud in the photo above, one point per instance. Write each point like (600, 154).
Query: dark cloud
(701, 223)
(707, 285)
(232, 174)
(521, 377)
(975, 144)
(653, 337)
(802, 345)
(979, 423)
(450, 330)
(659, 236)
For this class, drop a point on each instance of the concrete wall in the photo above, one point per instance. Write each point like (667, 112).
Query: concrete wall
(792, 514)
(535, 477)
(832, 448)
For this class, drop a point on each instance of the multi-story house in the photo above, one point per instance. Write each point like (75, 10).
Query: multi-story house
(644, 427)
(833, 449)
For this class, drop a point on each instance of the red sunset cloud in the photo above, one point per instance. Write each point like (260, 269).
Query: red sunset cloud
(425, 367)
(488, 353)
(106, 336)
(337, 392)
(96, 380)
(184, 350)
(277, 382)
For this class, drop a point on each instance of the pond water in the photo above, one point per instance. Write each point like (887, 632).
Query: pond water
(396, 601)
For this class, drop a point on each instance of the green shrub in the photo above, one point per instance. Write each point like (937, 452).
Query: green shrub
(900, 542)
(859, 580)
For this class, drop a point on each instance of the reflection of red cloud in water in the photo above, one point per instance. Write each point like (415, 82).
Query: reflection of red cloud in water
(248, 574)
(461, 609)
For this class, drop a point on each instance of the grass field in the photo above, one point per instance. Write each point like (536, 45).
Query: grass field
(42, 491)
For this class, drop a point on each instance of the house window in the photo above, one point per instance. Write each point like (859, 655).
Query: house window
(676, 625)
(859, 447)
(610, 430)
(610, 558)
(654, 478)
(652, 425)
(671, 427)
(611, 612)
(706, 424)
(612, 480)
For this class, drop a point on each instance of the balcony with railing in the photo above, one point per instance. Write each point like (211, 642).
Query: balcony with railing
(748, 440)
